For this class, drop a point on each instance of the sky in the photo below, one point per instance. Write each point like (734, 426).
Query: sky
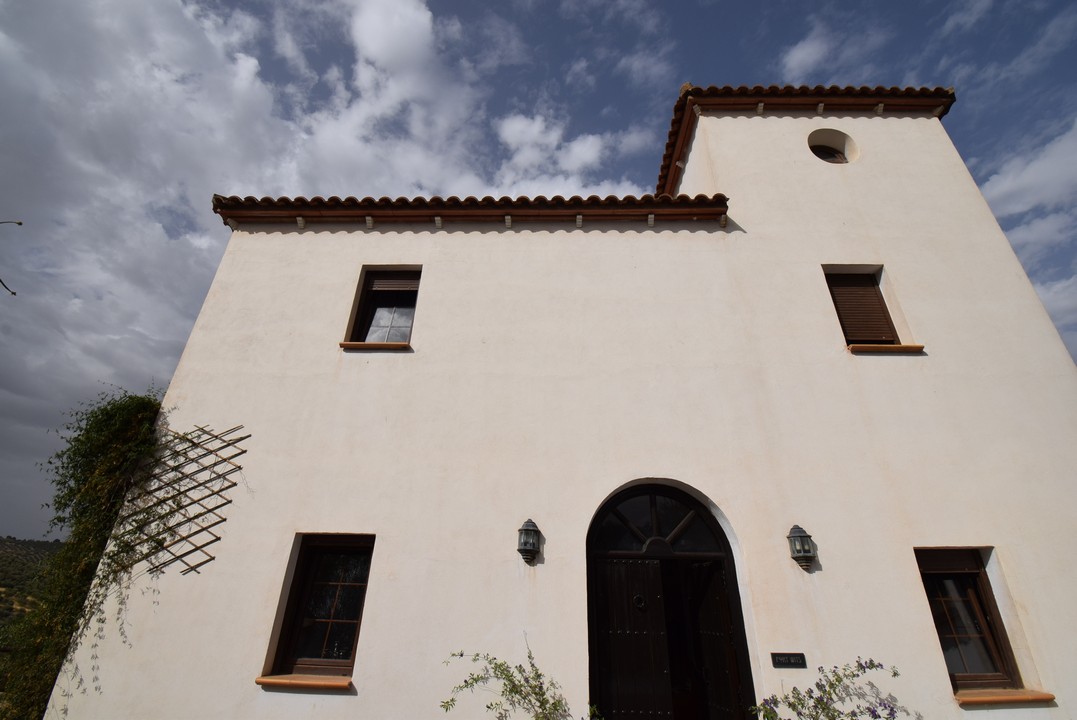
(120, 119)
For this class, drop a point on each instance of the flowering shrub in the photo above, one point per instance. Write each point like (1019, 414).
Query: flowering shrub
(836, 695)
(518, 688)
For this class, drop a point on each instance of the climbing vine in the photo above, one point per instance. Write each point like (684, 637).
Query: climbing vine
(109, 449)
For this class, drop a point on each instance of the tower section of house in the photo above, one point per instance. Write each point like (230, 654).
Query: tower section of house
(815, 322)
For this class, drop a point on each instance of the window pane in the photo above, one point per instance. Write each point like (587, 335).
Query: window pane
(403, 316)
(977, 657)
(322, 599)
(383, 317)
(398, 334)
(357, 569)
(340, 642)
(697, 538)
(670, 514)
(311, 639)
(637, 510)
(961, 618)
(950, 651)
(332, 567)
(350, 602)
(938, 614)
(376, 334)
(613, 535)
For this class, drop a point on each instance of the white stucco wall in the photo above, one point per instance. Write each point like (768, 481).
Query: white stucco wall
(552, 366)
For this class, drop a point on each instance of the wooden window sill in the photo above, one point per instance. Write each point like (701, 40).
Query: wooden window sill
(375, 345)
(1002, 697)
(908, 349)
(305, 682)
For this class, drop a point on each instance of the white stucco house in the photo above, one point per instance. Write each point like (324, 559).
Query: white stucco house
(815, 321)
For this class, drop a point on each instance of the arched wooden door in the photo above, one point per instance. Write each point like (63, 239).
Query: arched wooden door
(665, 623)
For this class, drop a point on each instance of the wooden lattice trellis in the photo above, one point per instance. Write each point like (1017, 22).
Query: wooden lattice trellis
(173, 518)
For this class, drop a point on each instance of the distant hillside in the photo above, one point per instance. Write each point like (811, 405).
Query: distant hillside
(19, 563)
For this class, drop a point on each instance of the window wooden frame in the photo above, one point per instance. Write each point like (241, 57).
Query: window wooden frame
(381, 288)
(965, 566)
(312, 548)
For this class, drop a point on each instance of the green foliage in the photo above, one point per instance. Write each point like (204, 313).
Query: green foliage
(836, 695)
(109, 448)
(20, 569)
(518, 687)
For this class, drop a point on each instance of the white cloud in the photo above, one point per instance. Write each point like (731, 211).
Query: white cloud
(449, 29)
(966, 15)
(230, 31)
(983, 80)
(956, 71)
(583, 153)
(828, 57)
(502, 45)
(1042, 178)
(395, 35)
(807, 56)
(1060, 299)
(579, 75)
(530, 139)
(646, 67)
(565, 185)
(641, 14)
(857, 55)
(288, 46)
(635, 140)
(543, 162)
(1036, 238)
(1058, 34)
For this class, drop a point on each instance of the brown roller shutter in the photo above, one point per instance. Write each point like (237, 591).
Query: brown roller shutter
(861, 311)
(389, 280)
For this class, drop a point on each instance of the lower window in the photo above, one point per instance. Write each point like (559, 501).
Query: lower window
(967, 620)
(320, 632)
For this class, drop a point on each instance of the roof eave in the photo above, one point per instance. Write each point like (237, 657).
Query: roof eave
(369, 211)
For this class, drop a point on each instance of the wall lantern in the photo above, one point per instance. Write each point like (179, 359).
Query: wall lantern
(528, 544)
(801, 547)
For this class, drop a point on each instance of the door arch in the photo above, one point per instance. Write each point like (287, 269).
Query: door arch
(666, 631)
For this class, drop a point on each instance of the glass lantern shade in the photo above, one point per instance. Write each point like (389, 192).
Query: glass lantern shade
(801, 548)
(528, 543)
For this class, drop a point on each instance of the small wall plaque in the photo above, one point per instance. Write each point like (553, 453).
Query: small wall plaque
(788, 660)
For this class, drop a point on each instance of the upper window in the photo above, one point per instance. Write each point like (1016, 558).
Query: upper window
(832, 146)
(974, 643)
(861, 311)
(320, 631)
(385, 309)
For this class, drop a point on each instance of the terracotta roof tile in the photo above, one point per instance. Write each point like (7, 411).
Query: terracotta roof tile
(234, 209)
(925, 101)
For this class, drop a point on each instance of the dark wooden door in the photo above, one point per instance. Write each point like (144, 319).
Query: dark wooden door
(666, 630)
(717, 626)
(634, 640)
